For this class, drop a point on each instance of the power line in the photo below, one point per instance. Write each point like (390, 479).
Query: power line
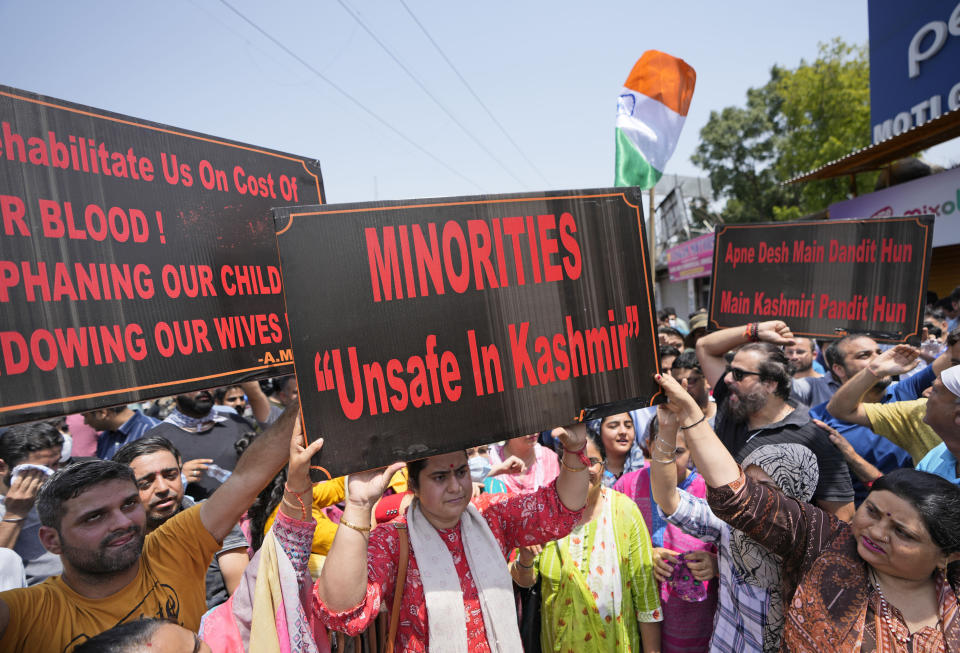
(349, 97)
(473, 93)
(429, 94)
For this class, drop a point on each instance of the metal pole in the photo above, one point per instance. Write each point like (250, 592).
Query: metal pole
(652, 228)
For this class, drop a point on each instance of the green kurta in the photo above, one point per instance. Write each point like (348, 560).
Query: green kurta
(571, 620)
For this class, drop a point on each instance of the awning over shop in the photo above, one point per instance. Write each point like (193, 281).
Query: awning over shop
(874, 157)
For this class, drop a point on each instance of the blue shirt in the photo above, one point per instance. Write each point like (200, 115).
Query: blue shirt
(875, 449)
(941, 462)
(910, 387)
(109, 442)
(813, 391)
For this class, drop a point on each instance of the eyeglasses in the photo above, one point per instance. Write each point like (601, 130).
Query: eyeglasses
(739, 374)
(595, 461)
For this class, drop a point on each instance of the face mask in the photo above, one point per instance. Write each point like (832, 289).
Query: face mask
(672, 322)
(479, 468)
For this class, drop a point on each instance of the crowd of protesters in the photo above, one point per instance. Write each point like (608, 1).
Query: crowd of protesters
(790, 494)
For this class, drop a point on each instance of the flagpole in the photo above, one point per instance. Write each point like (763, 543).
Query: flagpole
(658, 85)
(652, 222)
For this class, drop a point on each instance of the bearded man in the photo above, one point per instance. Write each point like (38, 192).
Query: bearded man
(755, 408)
(203, 436)
(114, 573)
(801, 356)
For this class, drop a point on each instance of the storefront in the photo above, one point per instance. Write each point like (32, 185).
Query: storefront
(937, 195)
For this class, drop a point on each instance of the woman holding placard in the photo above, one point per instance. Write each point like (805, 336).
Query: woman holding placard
(879, 583)
(445, 545)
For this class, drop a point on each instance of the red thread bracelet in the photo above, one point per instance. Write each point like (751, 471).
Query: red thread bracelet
(303, 508)
(579, 453)
(286, 487)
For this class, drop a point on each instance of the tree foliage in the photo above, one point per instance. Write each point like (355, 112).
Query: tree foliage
(799, 120)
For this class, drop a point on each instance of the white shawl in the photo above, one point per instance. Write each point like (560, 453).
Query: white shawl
(441, 585)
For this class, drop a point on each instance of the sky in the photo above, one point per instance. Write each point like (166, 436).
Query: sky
(537, 111)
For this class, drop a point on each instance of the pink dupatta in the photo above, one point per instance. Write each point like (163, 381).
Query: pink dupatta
(270, 610)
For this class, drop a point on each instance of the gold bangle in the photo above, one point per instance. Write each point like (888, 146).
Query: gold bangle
(571, 469)
(359, 529)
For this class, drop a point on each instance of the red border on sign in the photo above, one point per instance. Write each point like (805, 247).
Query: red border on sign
(637, 208)
(134, 123)
(924, 271)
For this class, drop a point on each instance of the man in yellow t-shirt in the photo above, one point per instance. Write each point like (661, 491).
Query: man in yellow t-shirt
(901, 422)
(93, 519)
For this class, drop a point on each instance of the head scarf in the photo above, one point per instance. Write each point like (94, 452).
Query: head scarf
(794, 469)
(950, 378)
(635, 458)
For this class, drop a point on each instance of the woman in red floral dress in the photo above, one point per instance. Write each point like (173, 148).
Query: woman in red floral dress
(457, 593)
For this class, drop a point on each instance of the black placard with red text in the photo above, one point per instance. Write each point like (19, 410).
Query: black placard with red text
(445, 323)
(822, 278)
(136, 259)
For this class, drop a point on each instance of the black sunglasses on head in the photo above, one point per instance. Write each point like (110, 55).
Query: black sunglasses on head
(739, 374)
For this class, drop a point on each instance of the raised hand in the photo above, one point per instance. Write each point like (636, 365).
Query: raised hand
(679, 400)
(572, 439)
(23, 492)
(896, 360)
(365, 488)
(298, 472)
(776, 332)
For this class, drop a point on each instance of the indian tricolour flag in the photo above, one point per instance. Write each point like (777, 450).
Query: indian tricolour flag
(651, 111)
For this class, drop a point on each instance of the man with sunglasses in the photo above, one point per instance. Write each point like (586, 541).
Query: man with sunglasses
(755, 408)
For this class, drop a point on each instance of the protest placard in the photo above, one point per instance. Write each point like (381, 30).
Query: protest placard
(822, 278)
(136, 259)
(426, 326)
